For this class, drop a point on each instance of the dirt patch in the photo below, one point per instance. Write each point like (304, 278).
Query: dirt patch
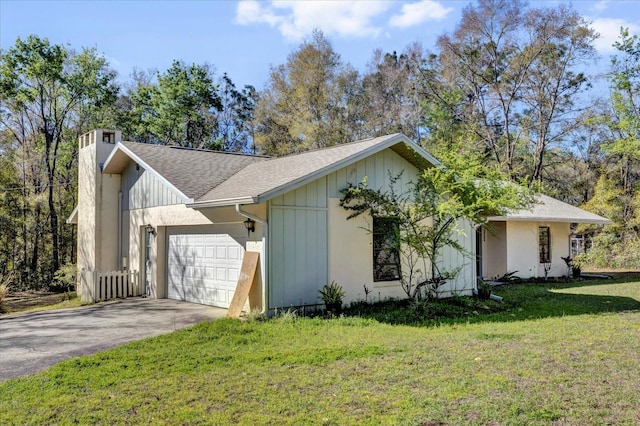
(22, 300)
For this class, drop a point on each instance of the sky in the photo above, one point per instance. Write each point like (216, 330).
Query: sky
(245, 38)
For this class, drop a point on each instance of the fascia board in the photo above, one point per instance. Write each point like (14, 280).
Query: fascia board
(73, 217)
(196, 205)
(594, 221)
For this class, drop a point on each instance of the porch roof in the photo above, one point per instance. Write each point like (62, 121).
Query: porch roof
(549, 209)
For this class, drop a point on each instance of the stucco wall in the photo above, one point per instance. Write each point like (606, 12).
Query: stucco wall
(494, 250)
(214, 220)
(351, 257)
(87, 186)
(97, 206)
(107, 234)
(522, 248)
(351, 246)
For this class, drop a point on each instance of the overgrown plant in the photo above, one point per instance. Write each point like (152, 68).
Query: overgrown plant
(484, 289)
(332, 295)
(509, 277)
(65, 277)
(430, 213)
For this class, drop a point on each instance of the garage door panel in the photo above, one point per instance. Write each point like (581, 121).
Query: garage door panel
(203, 268)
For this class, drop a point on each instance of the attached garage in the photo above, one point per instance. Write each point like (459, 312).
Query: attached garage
(181, 213)
(202, 267)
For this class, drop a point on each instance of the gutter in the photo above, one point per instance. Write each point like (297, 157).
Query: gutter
(225, 202)
(263, 263)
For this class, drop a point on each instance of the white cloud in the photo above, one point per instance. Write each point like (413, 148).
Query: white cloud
(601, 5)
(250, 12)
(416, 13)
(609, 30)
(297, 19)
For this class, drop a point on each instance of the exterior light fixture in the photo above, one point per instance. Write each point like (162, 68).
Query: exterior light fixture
(150, 229)
(250, 224)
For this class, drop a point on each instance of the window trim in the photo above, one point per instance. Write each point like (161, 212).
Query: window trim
(381, 226)
(542, 245)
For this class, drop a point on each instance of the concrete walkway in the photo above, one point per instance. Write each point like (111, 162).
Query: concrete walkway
(33, 342)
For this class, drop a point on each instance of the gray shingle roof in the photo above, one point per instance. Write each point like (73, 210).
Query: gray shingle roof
(219, 178)
(553, 210)
(194, 172)
(266, 179)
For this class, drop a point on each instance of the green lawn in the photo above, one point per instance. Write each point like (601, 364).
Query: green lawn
(551, 354)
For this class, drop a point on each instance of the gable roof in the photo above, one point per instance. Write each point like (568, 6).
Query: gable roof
(190, 172)
(210, 178)
(263, 180)
(552, 210)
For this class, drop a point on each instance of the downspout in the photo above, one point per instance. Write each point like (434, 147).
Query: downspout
(263, 269)
(119, 230)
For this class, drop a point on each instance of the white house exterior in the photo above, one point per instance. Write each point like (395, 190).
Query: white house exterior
(174, 219)
(169, 222)
(528, 241)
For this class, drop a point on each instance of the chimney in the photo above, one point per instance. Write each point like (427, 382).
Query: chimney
(97, 202)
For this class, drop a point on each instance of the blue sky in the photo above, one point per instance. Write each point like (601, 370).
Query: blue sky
(244, 38)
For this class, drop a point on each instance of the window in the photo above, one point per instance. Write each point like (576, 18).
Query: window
(108, 137)
(544, 244)
(386, 257)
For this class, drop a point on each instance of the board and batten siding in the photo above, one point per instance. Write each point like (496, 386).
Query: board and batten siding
(141, 189)
(464, 263)
(298, 246)
(311, 242)
(378, 169)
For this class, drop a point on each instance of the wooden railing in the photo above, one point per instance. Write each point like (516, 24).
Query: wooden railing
(95, 286)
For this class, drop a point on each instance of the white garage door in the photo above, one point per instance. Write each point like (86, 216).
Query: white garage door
(203, 268)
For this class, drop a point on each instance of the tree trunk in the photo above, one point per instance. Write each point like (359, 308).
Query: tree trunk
(36, 242)
(53, 214)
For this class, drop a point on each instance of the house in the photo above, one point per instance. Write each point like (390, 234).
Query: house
(529, 241)
(178, 219)
(170, 222)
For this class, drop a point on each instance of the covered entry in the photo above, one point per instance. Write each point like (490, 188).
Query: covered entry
(203, 267)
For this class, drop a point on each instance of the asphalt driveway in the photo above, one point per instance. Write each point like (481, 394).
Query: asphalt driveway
(33, 342)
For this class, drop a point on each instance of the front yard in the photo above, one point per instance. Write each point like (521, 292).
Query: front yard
(566, 356)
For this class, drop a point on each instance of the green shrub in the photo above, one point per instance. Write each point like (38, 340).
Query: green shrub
(612, 252)
(65, 278)
(331, 295)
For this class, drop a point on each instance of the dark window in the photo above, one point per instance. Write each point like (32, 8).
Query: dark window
(544, 244)
(386, 258)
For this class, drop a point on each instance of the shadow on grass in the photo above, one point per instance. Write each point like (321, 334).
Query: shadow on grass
(520, 302)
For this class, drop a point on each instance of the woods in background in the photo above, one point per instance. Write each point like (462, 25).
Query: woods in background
(511, 87)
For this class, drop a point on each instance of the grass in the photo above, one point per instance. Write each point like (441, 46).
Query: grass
(521, 302)
(561, 354)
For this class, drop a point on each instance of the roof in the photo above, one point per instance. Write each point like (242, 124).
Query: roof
(552, 210)
(210, 178)
(191, 172)
(263, 180)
